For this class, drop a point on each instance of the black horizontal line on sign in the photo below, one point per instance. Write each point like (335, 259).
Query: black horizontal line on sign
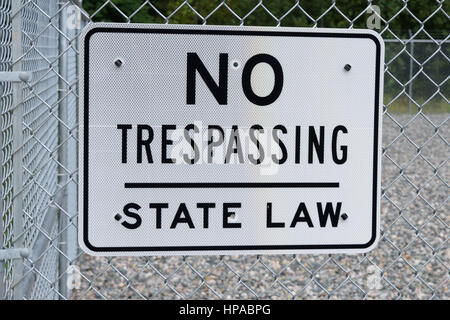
(174, 185)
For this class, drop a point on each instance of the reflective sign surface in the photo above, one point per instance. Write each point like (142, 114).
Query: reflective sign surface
(229, 140)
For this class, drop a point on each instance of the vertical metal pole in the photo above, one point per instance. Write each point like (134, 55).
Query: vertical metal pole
(411, 62)
(17, 158)
(68, 151)
(62, 152)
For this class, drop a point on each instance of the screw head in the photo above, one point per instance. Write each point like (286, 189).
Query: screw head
(118, 62)
(347, 67)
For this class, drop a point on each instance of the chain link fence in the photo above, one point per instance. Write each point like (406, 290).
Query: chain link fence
(39, 161)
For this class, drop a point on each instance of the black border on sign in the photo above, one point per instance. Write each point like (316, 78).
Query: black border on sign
(238, 33)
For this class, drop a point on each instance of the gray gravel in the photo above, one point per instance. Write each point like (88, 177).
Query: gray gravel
(411, 260)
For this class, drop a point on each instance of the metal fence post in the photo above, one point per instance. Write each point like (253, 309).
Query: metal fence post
(68, 146)
(17, 158)
(62, 150)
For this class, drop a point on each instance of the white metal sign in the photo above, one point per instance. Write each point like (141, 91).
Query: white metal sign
(229, 140)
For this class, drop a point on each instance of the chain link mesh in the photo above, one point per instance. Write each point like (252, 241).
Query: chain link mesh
(6, 145)
(412, 258)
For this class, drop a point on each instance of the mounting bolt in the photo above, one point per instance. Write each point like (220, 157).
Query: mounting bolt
(347, 67)
(24, 252)
(344, 216)
(118, 62)
(25, 76)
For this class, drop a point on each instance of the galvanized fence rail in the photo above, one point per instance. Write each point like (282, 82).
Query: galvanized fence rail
(39, 255)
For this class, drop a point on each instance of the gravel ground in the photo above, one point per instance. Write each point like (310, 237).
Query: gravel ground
(411, 260)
